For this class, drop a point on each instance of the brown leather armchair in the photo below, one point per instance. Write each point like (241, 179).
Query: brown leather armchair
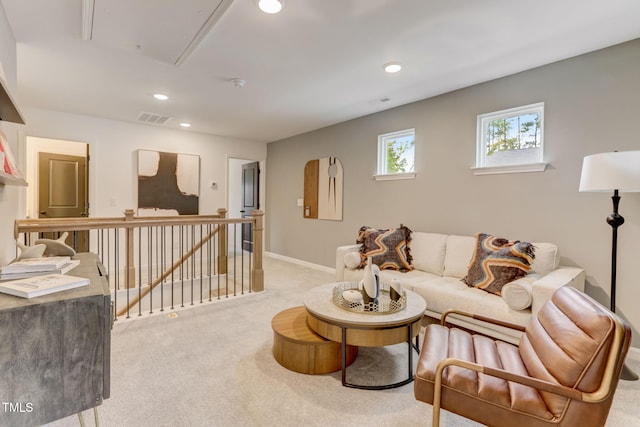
(564, 371)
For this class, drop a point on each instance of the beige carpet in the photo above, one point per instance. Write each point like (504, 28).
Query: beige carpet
(212, 366)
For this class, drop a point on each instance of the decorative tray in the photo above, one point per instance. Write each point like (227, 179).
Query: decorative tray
(349, 297)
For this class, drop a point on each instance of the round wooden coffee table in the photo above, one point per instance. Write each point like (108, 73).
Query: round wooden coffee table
(365, 329)
(298, 348)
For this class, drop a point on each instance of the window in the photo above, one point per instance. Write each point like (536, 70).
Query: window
(511, 140)
(396, 154)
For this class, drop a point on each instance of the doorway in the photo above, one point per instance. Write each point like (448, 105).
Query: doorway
(243, 199)
(58, 173)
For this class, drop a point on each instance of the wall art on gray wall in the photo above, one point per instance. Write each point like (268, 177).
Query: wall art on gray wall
(168, 183)
(323, 181)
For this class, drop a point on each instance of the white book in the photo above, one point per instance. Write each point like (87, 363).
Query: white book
(35, 264)
(62, 270)
(42, 285)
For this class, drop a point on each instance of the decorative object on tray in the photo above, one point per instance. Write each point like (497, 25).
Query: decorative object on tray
(26, 252)
(57, 247)
(395, 289)
(370, 283)
(42, 285)
(345, 295)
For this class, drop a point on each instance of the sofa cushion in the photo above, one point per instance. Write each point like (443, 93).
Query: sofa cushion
(497, 261)
(352, 260)
(547, 258)
(428, 251)
(389, 248)
(458, 255)
(518, 294)
(444, 293)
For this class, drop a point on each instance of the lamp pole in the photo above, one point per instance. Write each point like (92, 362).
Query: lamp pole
(614, 220)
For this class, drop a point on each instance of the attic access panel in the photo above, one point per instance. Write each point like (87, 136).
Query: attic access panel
(141, 26)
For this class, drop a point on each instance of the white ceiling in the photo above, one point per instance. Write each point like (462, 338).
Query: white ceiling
(317, 63)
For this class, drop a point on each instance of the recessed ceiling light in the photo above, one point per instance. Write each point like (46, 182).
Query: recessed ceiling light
(270, 6)
(185, 125)
(238, 82)
(160, 96)
(392, 67)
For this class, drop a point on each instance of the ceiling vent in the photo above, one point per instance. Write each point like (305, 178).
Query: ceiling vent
(152, 118)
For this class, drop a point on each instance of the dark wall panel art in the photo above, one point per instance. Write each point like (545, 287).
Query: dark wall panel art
(168, 183)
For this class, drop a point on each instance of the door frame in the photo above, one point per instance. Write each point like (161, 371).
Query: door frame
(234, 191)
(34, 145)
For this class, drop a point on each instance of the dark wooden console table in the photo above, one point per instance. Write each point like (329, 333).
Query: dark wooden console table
(55, 350)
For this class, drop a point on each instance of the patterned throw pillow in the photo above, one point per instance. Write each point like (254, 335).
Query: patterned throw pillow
(389, 249)
(497, 261)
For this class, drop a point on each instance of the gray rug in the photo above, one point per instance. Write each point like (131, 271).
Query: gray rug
(212, 366)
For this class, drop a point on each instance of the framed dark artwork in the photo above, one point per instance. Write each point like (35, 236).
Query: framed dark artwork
(168, 183)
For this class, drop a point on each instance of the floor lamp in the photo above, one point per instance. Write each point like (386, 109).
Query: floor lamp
(617, 171)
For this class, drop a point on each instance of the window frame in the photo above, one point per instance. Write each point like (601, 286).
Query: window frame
(381, 167)
(530, 165)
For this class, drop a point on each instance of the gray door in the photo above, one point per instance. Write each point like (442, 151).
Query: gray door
(62, 193)
(250, 200)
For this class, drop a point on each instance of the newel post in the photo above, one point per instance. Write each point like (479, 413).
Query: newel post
(222, 243)
(257, 274)
(129, 268)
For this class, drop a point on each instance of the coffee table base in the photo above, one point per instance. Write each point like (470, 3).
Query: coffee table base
(410, 376)
(349, 335)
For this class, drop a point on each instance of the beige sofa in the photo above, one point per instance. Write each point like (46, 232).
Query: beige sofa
(440, 262)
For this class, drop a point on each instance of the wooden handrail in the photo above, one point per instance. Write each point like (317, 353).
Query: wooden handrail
(217, 226)
(79, 224)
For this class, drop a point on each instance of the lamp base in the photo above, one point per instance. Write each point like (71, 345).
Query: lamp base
(627, 374)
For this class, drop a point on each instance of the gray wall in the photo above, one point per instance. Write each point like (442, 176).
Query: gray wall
(591, 106)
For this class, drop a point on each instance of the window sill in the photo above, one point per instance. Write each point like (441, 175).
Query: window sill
(528, 167)
(394, 176)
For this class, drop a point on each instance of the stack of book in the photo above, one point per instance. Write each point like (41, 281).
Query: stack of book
(32, 267)
(42, 285)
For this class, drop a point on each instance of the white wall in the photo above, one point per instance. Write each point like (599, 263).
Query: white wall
(113, 146)
(9, 195)
(591, 106)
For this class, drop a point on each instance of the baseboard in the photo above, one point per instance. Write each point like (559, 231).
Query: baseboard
(301, 262)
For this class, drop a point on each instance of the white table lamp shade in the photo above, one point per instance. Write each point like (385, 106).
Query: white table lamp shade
(618, 170)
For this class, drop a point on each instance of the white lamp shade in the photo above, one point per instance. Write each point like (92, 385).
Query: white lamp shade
(618, 170)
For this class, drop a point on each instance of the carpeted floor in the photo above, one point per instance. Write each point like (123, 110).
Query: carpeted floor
(212, 366)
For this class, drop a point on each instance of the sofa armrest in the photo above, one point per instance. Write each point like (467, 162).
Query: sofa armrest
(544, 287)
(341, 251)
